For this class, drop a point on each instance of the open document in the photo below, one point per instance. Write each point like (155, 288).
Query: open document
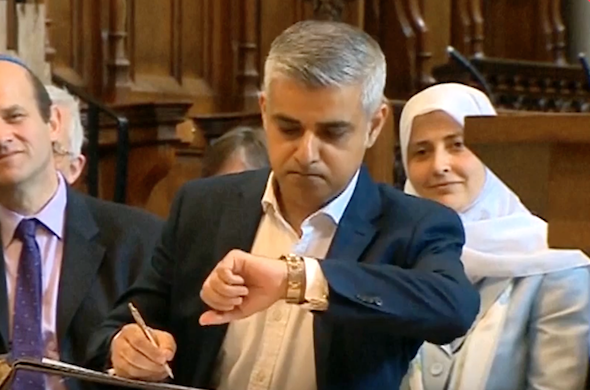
(63, 372)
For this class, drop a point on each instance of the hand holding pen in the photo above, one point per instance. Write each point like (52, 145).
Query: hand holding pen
(140, 352)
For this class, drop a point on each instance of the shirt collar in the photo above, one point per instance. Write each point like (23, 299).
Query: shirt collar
(335, 209)
(52, 215)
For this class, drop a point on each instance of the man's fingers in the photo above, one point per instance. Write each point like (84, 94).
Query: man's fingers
(130, 363)
(228, 291)
(217, 302)
(166, 343)
(141, 365)
(226, 275)
(144, 346)
(213, 317)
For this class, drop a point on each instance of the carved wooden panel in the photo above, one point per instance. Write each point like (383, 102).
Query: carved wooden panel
(526, 30)
(3, 25)
(75, 35)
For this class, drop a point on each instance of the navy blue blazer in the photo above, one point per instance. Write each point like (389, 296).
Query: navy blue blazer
(393, 269)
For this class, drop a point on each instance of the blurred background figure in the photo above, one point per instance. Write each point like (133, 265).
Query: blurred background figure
(241, 149)
(67, 149)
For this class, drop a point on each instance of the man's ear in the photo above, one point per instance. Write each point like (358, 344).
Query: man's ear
(376, 125)
(262, 103)
(55, 123)
(77, 165)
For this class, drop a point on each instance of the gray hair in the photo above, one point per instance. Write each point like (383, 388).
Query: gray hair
(61, 97)
(325, 54)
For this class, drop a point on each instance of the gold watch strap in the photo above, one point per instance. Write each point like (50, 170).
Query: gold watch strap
(296, 278)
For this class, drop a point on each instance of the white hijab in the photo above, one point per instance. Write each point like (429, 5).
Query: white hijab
(503, 239)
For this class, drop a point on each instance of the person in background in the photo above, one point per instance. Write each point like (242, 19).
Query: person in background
(308, 275)
(240, 149)
(533, 326)
(66, 256)
(67, 149)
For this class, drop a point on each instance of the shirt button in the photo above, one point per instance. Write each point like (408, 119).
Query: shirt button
(277, 315)
(436, 369)
(259, 377)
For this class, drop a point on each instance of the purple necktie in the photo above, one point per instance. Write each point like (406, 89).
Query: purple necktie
(27, 339)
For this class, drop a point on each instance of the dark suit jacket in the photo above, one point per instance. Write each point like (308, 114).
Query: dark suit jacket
(106, 245)
(393, 269)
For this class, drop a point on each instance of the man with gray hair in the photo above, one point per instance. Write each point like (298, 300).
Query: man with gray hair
(67, 150)
(307, 276)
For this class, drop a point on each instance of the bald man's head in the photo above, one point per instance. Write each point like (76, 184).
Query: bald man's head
(28, 127)
(41, 96)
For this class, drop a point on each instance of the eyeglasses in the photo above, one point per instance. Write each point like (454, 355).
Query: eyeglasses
(59, 150)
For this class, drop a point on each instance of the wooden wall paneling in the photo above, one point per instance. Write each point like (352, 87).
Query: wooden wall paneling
(73, 37)
(477, 18)
(3, 25)
(153, 141)
(197, 53)
(423, 44)
(524, 30)
(437, 16)
(398, 41)
(380, 158)
(467, 27)
(559, 32)
(223, 78)
(11, 26)
(545, 44)
(49, 50)
(247, 53)
(118, 65)
(461, 27)
(274, 18)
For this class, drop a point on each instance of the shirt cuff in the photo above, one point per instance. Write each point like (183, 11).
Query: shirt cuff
(316, 286)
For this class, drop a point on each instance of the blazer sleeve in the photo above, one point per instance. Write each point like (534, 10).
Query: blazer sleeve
(559, 330)
(150, 294)
(429, 299)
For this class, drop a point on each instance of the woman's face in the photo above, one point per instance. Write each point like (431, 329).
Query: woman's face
(440, 167)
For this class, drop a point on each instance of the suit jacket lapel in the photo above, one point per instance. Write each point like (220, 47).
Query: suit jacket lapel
(353, 235)
(82, 257)
(4, 332)
(241, 217)
(356, 228)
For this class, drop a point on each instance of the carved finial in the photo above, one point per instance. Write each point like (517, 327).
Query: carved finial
(328, 9)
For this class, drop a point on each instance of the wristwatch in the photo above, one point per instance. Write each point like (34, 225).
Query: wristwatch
(296, 278)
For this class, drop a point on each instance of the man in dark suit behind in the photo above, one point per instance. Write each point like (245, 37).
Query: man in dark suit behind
(310, 276)
(81, 254)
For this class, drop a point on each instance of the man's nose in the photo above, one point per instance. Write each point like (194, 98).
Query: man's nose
(308, 149)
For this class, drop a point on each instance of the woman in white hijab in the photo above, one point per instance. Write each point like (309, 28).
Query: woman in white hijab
(533, 326)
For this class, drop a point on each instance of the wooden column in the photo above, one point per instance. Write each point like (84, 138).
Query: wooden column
(3, 25)
(248, 78)
(118, 78)
(49, 50)
(559, 33)
(468, 27)
(328, 9)
(424, 48)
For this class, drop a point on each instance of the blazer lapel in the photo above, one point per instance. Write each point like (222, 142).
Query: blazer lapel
(353, 235)
(356, 228)
(4, 332)
(241, 217)
(82, 257)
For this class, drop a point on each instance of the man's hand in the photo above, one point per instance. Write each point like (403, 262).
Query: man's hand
(133, 356)
(242, 285)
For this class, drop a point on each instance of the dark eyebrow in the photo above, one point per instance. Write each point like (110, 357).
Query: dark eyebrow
(285, 119)
(335, 125)
(11, 109)
(418, 144)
